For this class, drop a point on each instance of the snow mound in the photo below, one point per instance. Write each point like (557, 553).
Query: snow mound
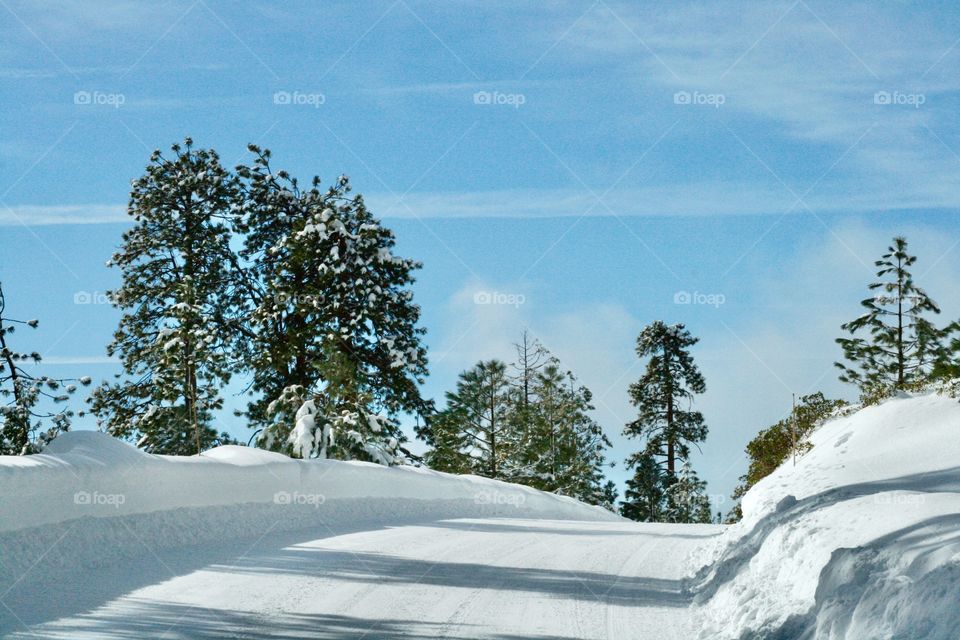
(114, 500)
(92, 446)
(861, 539)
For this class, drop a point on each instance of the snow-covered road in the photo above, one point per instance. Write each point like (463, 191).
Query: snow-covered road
(465, 579)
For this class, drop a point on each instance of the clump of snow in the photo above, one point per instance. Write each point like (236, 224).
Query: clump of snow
(861, 539)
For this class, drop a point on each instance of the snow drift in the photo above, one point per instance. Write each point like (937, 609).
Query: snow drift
(117, 502)
(861, 539)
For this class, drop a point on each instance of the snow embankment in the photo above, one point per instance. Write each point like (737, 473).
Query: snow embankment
(117, 502)
(861, 539)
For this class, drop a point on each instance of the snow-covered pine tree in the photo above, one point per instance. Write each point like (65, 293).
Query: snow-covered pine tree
(663, 396)
(178, 280)
(901, 344)
(645, 497)
(686, 500)
(21, 418)
(477, 419)
(337, 353)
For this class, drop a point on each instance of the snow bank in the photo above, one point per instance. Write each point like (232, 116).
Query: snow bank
(114, 500)
(861, 539)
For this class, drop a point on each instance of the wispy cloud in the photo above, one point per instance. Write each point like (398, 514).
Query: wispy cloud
(39, 215)
(78, 360)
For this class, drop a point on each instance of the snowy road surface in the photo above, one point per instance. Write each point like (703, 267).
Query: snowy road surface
(463, 579)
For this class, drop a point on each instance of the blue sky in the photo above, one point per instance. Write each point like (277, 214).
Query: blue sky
(590, 159)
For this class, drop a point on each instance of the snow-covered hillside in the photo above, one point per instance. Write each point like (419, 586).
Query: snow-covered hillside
(861, 539)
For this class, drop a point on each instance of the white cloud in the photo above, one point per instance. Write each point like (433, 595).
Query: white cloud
(75, 360)
(41, 215)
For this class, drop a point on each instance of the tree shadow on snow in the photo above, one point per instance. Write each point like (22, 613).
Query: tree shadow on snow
(170, 621)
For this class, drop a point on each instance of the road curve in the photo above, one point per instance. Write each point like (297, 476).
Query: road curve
(458, 579)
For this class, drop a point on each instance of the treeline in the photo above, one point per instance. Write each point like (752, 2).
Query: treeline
(296, 290)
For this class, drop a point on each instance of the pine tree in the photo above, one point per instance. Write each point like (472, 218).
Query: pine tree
(563, 452)
(533, 427)
(336, 351)
(686, 500)
(449, 444)
(644, 500)
(671, 380)
(21, 416)
(177, 280)
(902, 345)
(480, 408)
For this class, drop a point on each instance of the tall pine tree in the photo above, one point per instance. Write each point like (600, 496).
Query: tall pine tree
(174, 339)
(901, 344)
(663, 397)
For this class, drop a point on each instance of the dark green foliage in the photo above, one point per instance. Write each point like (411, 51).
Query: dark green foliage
(644, 500)
(533, 427)
(776, 444)
(476, 423)
(332, 321)
(178, 278)
(562, 450)
(897, 344)
(664, 393)
(25, 427)
(663, 397)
